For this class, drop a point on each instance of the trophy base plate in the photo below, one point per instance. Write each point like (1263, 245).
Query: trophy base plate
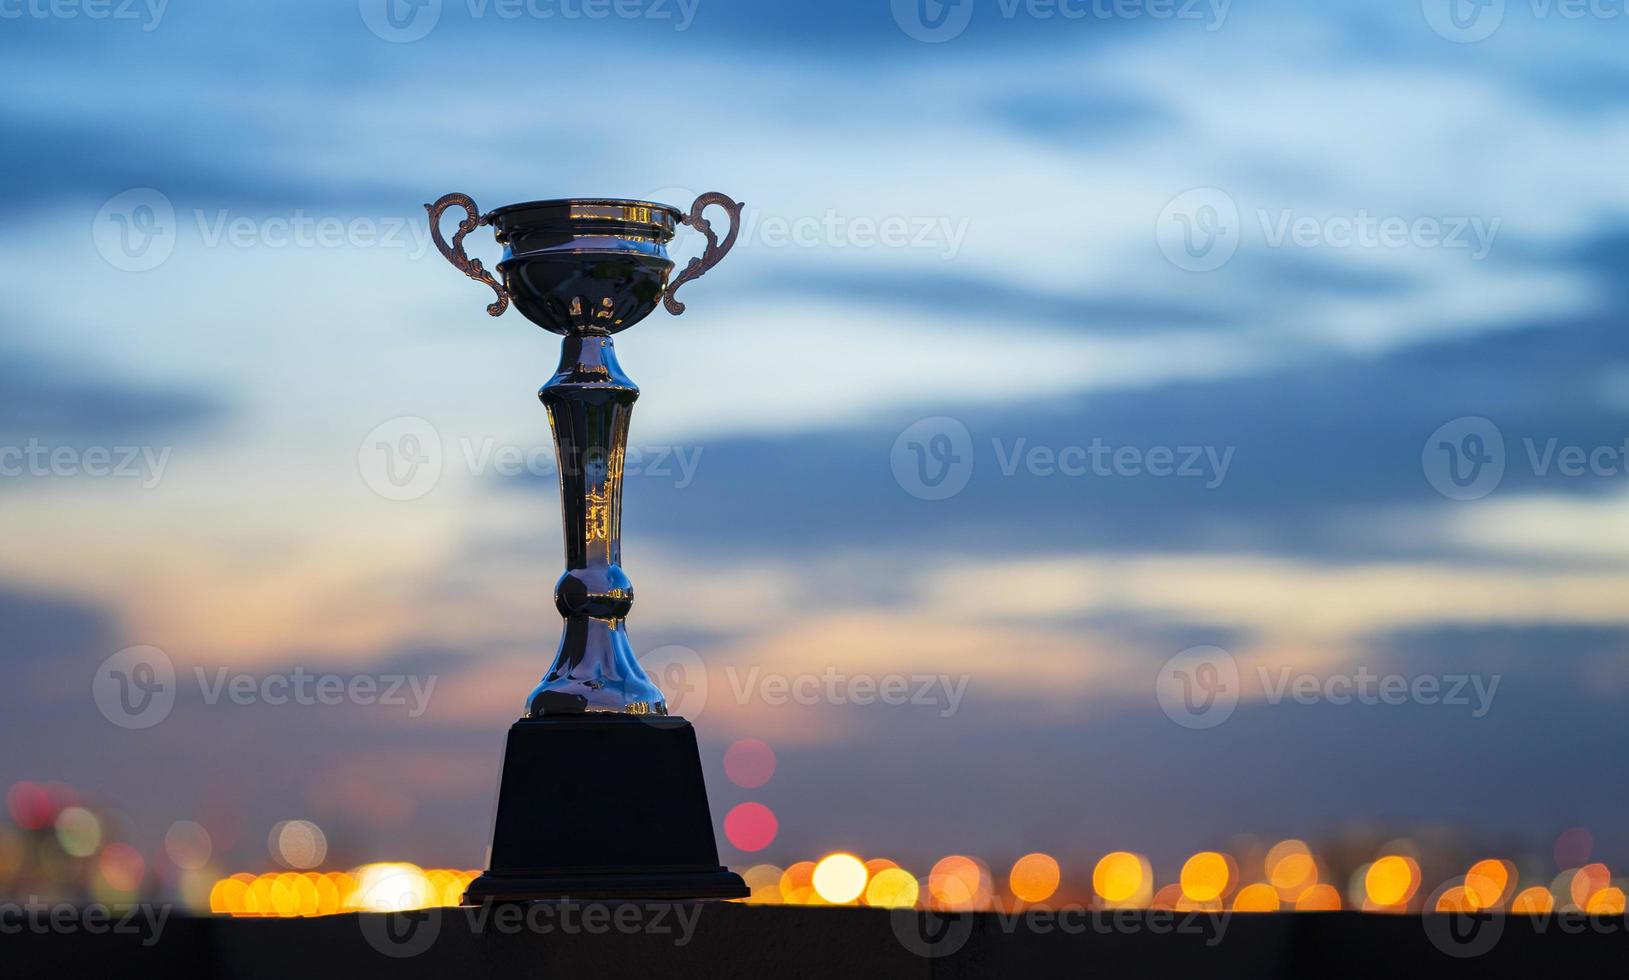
(609, 887)
(603, 807)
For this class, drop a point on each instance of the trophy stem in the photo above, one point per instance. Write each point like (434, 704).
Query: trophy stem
(590, 401)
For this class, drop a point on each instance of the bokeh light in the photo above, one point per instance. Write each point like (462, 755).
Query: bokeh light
(1391, 881)
(188, 844)
(1535, 900)
(1034, 877)
(1319, 898)
(30, 806)
(385, 887)
(298, 844)
(957, 883)
(79, 832)
(892, 888)
(1454, 899)
(1488, 882)
(1586, 881)
(121, 867)
(840, 878)
(1121, 876)
(797, 883)
(1606, 901)
(1573, 847)
(1259, 897)
(765, 882)
(1290, 867)
(749, 763)
(1205, 876)
(750, 826)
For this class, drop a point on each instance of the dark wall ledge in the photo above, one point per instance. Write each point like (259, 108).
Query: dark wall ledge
(673, 941)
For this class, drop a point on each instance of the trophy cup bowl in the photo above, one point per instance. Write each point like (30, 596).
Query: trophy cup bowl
(602, 793)
(580, 266)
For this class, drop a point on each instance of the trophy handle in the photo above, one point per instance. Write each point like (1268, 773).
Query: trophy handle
(454, 253)
(716, 250)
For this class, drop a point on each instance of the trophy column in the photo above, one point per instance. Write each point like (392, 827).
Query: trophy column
(590, 401)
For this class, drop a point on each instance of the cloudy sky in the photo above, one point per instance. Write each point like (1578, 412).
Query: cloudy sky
(1126, 384)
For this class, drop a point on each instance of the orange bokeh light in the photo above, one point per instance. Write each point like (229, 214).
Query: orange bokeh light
(1034, 877)
(1290, 867)
(1205, 876)
(1607, 901)
(1392, 880)
(957, 883)
(1488, 882)
(1588, 880)
(1536, 900)
(797, 884)
(1121, 876)
(1319, 898)
(1259, 897)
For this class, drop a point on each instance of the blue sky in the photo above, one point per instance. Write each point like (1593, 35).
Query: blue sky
(1313, 241)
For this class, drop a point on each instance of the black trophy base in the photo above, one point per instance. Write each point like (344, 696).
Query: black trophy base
(600, 807)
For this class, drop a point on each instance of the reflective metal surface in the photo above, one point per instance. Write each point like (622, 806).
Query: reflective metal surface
(588, 269)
